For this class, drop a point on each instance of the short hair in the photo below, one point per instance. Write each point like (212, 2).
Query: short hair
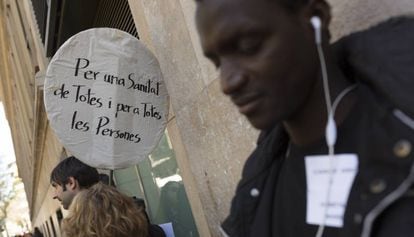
(103, 211)
(293, 5)
(72, 167)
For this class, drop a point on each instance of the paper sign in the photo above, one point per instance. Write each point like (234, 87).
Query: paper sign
(105, 98)
(333, 177)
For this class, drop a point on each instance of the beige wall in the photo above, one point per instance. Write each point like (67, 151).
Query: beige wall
(52, 153)
(216, 140)
(46, 208)
(37, 149)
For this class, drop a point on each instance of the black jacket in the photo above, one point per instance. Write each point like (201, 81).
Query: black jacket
(380, 204)
(155, 231)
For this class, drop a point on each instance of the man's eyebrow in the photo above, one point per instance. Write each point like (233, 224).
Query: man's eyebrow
(249, 29)
(226, 35)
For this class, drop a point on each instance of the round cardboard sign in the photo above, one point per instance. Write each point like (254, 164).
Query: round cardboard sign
(105, 98)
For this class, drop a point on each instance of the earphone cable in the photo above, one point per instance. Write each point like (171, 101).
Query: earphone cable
(330, 128)
(325, 79)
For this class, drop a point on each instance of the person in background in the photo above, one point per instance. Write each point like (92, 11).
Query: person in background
(71, 176)
(153, 230)
(103, 211)
(307, 176)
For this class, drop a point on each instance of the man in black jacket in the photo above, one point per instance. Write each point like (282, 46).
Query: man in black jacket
(334, 157)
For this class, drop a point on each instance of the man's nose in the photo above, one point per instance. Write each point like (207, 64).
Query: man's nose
(232, 77)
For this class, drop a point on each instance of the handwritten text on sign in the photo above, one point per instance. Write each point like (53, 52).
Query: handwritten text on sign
(105, 98)
(80, 93)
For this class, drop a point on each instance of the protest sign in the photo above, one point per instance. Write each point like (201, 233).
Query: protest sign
(105, 98)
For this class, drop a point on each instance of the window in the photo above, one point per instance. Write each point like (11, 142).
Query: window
(158, 181)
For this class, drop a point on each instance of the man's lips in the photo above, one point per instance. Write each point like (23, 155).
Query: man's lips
(247, 104)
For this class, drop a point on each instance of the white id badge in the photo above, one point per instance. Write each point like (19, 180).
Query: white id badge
(324, 172)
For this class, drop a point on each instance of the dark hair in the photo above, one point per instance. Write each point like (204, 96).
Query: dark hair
(141, 204)
(104, 178)
(72, 167)
(292, 5)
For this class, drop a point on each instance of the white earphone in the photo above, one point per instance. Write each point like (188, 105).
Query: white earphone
(330, 132)
(330, 129)
(317, 23)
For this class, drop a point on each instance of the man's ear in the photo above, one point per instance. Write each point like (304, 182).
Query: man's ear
(321, 9)
(72, 184)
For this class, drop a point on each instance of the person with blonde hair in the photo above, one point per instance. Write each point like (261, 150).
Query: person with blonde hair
(103, 211)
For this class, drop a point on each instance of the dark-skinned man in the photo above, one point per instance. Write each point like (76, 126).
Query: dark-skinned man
(308, 176)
